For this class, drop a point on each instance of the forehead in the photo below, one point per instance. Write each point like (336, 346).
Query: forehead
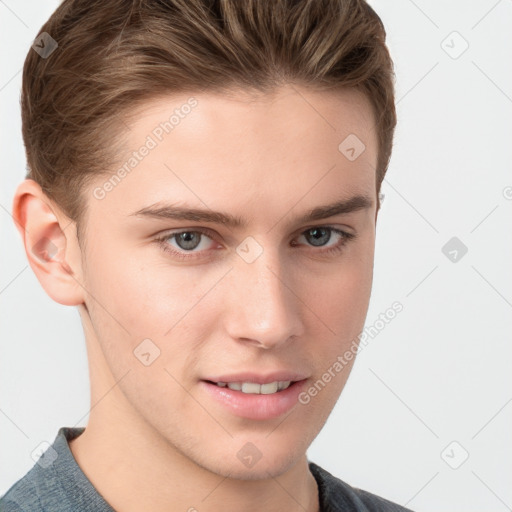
(291, 112)
(245, 150)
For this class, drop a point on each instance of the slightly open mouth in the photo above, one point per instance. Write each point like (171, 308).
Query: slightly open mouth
(250, 388)
(257, 401)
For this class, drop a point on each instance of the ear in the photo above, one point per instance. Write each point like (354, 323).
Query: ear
(379, 204)
(50, 242)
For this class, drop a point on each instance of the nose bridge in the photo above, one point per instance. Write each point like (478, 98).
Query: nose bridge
(262, 307)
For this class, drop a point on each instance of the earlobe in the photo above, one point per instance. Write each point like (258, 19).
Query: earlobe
(50, 243)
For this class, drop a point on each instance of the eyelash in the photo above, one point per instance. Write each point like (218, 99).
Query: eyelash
(162, 241)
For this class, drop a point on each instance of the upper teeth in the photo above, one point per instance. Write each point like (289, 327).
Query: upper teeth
(254, 387)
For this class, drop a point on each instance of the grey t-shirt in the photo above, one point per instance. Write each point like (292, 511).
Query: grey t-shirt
(57, 484)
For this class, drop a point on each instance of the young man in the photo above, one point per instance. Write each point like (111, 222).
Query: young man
(204, 186)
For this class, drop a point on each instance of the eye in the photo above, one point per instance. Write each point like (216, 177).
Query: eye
(187, 241)
(319, 236)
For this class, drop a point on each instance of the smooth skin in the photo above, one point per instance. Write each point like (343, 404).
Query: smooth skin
(155, 440)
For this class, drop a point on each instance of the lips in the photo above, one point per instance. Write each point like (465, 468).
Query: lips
(254, 406)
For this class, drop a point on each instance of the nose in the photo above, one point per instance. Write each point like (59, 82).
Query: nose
(262, 307)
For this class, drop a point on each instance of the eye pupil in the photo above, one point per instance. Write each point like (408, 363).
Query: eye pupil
(320, 236)
(185, 240)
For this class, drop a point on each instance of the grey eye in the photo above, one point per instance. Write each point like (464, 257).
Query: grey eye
(318, 236)
(188, 240)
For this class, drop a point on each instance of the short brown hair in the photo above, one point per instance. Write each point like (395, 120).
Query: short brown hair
(113, 54)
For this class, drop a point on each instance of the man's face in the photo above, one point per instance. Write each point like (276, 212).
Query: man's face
(275, 293)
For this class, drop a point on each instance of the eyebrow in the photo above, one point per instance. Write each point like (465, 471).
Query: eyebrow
(171, 211)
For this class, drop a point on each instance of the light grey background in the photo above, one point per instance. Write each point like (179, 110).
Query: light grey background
(441, 370)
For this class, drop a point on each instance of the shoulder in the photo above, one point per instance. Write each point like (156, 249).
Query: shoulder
(22, 496)
(55, 483)
(338, 496)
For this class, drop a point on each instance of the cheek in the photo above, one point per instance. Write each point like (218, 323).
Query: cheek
(342, 297)
(341, 305)
(139, 291)
(135, 300)
(340, 301)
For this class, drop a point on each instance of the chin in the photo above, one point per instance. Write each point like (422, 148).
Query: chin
(261, 460)
(262, 470)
